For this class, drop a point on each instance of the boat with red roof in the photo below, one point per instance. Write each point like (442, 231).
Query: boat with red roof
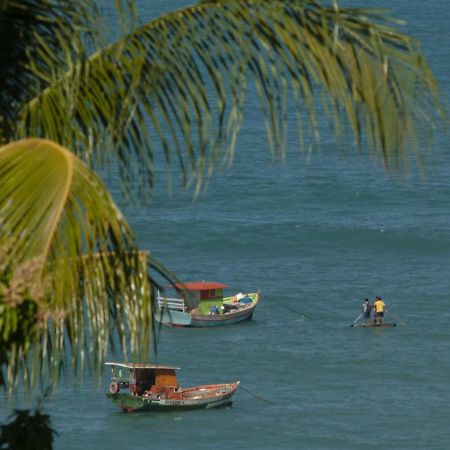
(154, 387)
(202, 304)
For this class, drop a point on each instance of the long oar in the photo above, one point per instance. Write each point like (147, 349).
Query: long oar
(294, 310)
(356, 320)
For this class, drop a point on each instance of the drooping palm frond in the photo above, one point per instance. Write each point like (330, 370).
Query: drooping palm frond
(37, 37)
(55, 304)
(180, 80)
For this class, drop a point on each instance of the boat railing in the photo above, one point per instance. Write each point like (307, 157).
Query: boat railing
(172, 303)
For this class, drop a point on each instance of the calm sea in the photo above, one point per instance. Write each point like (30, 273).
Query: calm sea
(317, 235)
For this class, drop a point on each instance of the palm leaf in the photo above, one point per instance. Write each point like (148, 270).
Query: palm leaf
(181, 80)
(56, 305)
(37, 37)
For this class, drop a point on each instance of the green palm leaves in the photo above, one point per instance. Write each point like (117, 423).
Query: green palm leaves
(54, 301)
(37, 38)
(181, 81)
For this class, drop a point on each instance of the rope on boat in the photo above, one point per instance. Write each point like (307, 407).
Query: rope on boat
(298, 312)
(257, 396)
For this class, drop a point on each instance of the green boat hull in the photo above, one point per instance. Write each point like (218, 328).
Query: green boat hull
(129, 403)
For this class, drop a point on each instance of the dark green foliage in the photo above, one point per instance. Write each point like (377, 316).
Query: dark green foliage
(17, 326)
(28, 430)
(23, 26)
(18, 318)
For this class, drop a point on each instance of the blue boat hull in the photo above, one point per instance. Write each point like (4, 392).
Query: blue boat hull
(174, 318)
(218, 320)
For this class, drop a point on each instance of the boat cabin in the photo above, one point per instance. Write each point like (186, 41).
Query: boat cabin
(142, 379)
(201, 295)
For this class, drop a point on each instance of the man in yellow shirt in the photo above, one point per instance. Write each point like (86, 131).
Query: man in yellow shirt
(379, 307)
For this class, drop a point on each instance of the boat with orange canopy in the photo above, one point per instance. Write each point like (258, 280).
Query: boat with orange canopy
(154, 387)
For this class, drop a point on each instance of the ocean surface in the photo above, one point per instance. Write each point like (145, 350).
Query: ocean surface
(316, 235)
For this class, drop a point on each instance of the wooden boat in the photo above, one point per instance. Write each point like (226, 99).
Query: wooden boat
(153, 387)
(370, 324)
(202, 304)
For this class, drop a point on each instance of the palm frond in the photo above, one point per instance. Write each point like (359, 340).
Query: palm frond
(38, 39)
(55, 305)
(181, 80)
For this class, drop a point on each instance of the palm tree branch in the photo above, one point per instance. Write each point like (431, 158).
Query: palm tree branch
(36, 39)
(186, 73)
(52, 210)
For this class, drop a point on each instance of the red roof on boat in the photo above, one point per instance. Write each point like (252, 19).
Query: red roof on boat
(140, 366)
(200, 285)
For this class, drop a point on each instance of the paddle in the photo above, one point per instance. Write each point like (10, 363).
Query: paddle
(298, 312)
(356, 320)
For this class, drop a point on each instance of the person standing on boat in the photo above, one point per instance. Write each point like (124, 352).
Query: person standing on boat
(379, 307)
(366, 309)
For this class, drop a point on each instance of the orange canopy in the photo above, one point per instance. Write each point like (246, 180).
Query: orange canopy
(200, 285)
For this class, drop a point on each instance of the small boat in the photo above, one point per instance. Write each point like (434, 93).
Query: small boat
(202, 304)
(370, 324)
(153, 387)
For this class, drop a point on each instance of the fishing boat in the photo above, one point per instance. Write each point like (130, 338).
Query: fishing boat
(153, 387)
(370, 324)
(202, 304)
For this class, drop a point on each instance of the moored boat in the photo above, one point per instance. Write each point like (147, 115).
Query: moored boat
(153, 387)
(202, 304)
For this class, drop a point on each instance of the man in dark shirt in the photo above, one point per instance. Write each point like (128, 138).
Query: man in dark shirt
(366, 308)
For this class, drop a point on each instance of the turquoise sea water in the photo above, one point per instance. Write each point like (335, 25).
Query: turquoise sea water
(317, 235)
